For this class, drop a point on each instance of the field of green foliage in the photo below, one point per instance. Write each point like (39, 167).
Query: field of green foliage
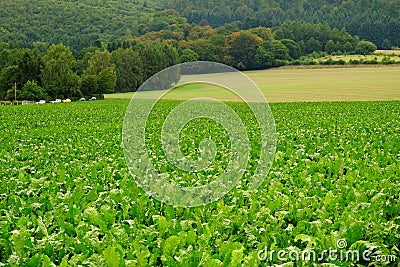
(67, 198)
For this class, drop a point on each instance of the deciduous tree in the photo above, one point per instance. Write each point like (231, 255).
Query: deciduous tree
(58, 78)
(365, 48)
(32, 91)
(243, 48)
(102, 71)
(129, 69)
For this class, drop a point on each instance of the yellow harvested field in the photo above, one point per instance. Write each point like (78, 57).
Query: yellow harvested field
(370, 83)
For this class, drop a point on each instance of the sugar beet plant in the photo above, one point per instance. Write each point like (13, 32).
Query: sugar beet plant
(67, 198)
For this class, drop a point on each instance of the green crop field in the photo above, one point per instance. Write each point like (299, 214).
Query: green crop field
(302, 84)
(67, 198)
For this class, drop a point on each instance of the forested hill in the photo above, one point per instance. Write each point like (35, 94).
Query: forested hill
(76, 23)
(83, 23)
(374, 20)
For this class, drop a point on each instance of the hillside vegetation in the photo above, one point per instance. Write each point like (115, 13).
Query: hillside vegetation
(80, 24)
(75, 23)
(375, 20)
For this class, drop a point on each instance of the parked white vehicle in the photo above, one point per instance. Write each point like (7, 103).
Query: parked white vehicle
(56, 101)
(92, 99)
(41, 102)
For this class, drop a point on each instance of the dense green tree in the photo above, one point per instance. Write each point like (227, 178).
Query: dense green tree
(243, 48)
(99, 61)
(12, 94)
(263, 32)
(170, 56)
(82, 58)
(365, 48)
(339, 47)
(293, 47)
(205, 49)
(312, 45)
(188, 55)
(9, 57)
(271, 54)
(106, 81)
(330, 47)
(58, 78)
(4, 58)
(157, 56)
(102, 71)
(89, 86)
(129, 69)
(218, 47)
(9, 77)
(4, 46)
(348, 48)
(264, 58)
(41, 46)
(280, 51)
(30, 66)
(386, 44)
(32, 91)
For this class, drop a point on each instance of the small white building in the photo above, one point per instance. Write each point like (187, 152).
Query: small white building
(26, 102)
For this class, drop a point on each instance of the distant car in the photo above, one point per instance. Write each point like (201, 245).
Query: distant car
(92, 99)
(41, 102)
(82, 99)
(67, 100)
(56, 101)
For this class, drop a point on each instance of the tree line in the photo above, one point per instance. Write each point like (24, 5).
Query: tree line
(60, 73)
(123, 65)
(255, 48)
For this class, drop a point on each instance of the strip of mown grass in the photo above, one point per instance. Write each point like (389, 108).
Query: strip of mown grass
(294, 84)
